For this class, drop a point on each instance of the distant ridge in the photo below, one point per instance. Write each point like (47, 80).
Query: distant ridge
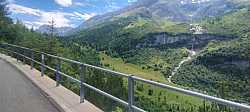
(173, 10)
(60, 31)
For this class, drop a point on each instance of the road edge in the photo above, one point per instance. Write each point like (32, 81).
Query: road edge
(45, 94)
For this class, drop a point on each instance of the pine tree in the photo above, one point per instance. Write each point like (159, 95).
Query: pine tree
(52, 28)
(52, 45)
(4, 13)
(6, 30)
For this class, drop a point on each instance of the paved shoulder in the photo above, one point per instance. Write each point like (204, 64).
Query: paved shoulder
(18, 94)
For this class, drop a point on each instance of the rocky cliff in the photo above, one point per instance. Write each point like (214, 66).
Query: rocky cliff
(181, 40)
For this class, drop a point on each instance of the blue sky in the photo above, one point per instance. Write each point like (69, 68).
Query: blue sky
(35, 13)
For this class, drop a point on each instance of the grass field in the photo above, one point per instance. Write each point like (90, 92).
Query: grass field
(159, 96)
(117, 64)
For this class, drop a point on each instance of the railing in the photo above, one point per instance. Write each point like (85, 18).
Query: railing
(130, 103)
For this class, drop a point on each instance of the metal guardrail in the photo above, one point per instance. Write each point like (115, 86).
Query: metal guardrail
(130, 103)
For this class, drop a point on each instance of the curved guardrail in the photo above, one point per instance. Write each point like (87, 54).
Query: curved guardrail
(130, 103)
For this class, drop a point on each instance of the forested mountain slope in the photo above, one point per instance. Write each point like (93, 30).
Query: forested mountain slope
(222, 68)
(147, 97)
(129, 32)
(154, 35)
(173, 10)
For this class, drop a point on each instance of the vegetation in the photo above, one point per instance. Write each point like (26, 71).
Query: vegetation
(236, 23)
(220, 65)
(118, 64)
(155, 59)
(50, 44)
(113, 45)
(222, 68)
(123, 34)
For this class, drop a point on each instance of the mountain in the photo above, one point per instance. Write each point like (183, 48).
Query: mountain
(145, 45)
(173, 10)
(123, 29)
(222, 68)
(60, 31)
(154, 35)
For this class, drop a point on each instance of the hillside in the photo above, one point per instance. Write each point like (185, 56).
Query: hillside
(222, 68)
(123, 29)
(153, 36)
(172, 10)
(235, 23)
(131, 30)
(150, 39)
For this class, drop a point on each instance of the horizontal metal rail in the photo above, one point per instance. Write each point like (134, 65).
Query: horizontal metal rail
(124, 103)
(71, 61)
(131, 78)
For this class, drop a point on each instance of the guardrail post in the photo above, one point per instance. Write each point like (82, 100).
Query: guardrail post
(11, 53)
(81, 73)
(58, 75)
(32, 60)
(130, 93)
(23, 56)
(17, 57)
(42, 66)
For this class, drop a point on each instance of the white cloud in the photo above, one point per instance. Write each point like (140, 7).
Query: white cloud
(131, 1)
(79, 4)
(83, 4)
(62, 19)
(183, 2)
(64, 3)
(85, 16)
(24, 10)
(10, 1)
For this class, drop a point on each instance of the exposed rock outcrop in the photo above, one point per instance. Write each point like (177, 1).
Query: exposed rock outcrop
(184, 39)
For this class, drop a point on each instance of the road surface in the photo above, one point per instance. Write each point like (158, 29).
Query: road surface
(18, 94)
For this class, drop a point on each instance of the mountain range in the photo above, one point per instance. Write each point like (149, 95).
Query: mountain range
(201, 45)
(172, 10)
(60, 31)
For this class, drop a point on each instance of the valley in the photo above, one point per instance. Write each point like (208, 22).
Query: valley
(200, 45)
(150, 46)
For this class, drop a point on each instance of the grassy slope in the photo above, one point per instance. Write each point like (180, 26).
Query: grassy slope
(174, 27)
(123, 34)
(163, 60)
(236, 23)
(160, 99)
(212, 70)
(118, 64)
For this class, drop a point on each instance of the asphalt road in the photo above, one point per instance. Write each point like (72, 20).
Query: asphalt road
(18, 94)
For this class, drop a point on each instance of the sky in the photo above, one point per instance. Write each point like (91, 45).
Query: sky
(66, 13)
